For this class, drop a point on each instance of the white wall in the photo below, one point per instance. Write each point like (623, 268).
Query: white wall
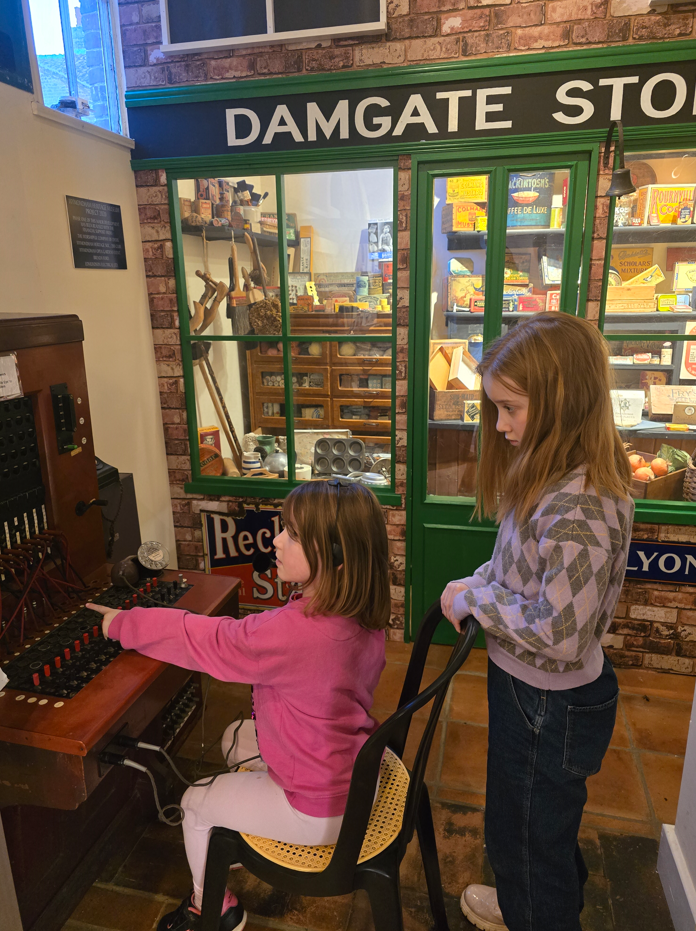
(40, 162)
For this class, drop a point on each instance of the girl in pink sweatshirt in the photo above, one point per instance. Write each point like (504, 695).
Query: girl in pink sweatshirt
(314, 665)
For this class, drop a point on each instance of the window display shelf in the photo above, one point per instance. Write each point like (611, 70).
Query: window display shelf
(451, 425)
(652, 429)
(214, 233)
(642, 367)
(521, 238)
(670, 315)
(639, 235)
(464, 315)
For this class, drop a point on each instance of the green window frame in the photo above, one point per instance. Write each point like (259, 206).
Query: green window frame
(279, 168)
(639, 140)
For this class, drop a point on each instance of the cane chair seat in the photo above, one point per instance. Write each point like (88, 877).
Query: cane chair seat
(383, 826)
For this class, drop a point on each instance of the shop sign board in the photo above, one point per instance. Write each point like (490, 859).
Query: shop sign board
(662, 562)
(96, 232)
(232, 544)
(640, 95)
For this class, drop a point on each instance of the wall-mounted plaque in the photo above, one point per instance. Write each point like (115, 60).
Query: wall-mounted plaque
(96, 231)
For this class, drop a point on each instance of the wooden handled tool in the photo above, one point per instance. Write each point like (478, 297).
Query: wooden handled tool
(235, 293)
(253, 294)
(261, 275)
(199, 306)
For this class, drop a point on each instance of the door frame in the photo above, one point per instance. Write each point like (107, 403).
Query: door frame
(435, 512)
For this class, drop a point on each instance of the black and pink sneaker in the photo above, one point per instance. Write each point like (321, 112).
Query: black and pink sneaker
(188, 918)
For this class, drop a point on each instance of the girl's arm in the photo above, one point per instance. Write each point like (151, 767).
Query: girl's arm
(560, 621)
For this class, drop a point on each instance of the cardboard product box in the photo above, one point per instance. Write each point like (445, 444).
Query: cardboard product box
(472, 412)
(684, 276)
(201, 185)
(684, 413)
(629, 261)
(662, 398)
(477, 305)
(553, 300)
(185, 207)
(461, 288)
(529, 198)
(470, 187)
(203, 208)
(517, 267)
(652, 276)
(638, 299)
(531, 303)
(658, 204)
(209, 436)
(213, 191)
(449, 405)
(460, 216)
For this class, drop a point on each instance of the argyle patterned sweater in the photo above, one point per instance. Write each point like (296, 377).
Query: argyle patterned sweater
(550, 590)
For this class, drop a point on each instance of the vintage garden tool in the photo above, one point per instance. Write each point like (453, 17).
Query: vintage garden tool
(210, 288)
(264, 312)
(218, 295)
(237, 310)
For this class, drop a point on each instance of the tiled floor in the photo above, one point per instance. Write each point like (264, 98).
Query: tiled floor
(635, 792)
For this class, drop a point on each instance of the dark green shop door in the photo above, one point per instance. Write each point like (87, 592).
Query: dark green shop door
(495, 240)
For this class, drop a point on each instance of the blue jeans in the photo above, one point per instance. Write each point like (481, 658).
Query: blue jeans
(542, 745)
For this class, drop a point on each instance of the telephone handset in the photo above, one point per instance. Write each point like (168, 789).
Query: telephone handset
(151, 559)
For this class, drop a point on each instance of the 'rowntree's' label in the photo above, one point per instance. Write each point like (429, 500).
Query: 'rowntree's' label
(529, 198)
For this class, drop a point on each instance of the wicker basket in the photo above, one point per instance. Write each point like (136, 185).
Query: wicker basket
(690, 481)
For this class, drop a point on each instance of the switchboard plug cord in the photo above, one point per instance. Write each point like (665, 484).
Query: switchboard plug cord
(179, 814)
(139, 593)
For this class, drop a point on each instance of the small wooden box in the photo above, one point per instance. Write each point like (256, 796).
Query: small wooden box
(449, 405)
(666, 488)
(662, 399)
(684, 413)
(631, 299)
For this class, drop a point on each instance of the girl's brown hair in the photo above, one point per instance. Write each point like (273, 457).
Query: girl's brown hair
(562, 363)
(321, 514)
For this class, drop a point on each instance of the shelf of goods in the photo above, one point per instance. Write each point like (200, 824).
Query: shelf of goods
(214, 233)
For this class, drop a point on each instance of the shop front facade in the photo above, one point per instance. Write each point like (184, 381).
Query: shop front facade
(404, 218)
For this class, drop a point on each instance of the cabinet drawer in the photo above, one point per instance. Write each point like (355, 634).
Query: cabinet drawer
(368, 381)
(377, 353)
(313, 412)
(307, 379)
(362, 414)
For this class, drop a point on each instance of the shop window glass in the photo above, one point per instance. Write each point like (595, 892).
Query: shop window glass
(310, 361)
(649, 313)
(75, 53)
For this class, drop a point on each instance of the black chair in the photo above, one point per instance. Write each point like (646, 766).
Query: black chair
(341, 869)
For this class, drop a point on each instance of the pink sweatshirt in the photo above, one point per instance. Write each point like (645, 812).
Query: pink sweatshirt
(313, 678)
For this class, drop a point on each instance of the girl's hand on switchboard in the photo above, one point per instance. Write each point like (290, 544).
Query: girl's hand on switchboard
(108, 615)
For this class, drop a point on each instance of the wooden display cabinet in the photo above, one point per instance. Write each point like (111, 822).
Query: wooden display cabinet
(365, 424)
(354, 381)
(300, 393)
(360, 357)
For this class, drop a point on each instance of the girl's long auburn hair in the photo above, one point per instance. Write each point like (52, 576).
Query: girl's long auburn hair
(562, 363)
(321, 514)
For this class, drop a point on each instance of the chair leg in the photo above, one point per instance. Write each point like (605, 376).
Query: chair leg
(217, 869)
(384, 891)
(431, 864)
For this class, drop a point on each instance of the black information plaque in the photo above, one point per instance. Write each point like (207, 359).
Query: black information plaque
(96, 231)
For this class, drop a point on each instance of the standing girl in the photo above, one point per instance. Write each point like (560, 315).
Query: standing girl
(314, 665)
(554, 473)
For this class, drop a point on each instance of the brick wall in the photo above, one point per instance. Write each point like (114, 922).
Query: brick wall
(418, 31)
(156, 234)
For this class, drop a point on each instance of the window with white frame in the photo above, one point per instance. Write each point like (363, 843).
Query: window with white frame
(74, 41)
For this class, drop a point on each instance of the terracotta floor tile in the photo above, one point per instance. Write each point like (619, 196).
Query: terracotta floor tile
(464, 760)
(617, 790)
(620, 737)
(118, 910)
(415, 734)
(619, 825)
(476, 661)
(388, 691)
(657, 723)
(662, 684)
(591, 850)
(663, 775)
(461, 796)
(411, 872)
(157, 864)
(459, 834)
(469, 701)
(398, 652)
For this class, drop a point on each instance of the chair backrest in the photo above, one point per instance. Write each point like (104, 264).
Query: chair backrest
(393, 733)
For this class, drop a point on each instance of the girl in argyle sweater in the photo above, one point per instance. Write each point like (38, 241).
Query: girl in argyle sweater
(555, 475)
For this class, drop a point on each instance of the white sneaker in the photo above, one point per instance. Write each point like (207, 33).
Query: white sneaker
(480, 905)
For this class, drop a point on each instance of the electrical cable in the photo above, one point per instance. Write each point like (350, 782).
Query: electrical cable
(138, 592)
(175, 820)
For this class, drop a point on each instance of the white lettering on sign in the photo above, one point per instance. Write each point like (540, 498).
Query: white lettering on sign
(384, 122)
(646, 562)
(245, 542)
(222, 535)
(483, 108)
(231, 116)
(646, 104)
(676, 565)
(316, 118)
(260, 537)
(415, 111)
(453, 97)
(282, 122)
(562, 96)
(265, 589)
(617, 93)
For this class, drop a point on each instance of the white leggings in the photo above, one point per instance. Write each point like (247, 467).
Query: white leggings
(248, 802)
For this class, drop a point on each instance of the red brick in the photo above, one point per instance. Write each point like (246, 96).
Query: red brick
(142, 34)
(687, 617)
(187, 72)
(156, 285)
(466, 21)
(436, 6)
(128, 14)
(154, 231)
(650, 613)
(668, 632)
(552, 36)
(409, 27)
(624, 658)
(150, 12)
(163, 302)
(649, 645)
(486, 43)
(632, 628)
(328, 59)
(277, 62)
(386, 53)
(563, 11)
(686, 649)
(527, 14)
(159, 267)
(662, 25)
(620, 610)
(429, 49)
(223, 69)
(134, 57)
(473, 3)
(145, 177)
(165, 354)
(601, 31)
(680, 664)
(674, 599)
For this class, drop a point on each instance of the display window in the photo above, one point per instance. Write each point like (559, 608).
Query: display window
(286, 291)
(649, 316)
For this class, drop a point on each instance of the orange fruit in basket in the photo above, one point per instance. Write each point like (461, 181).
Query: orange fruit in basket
(644, 475)
(637, 462)
(659, 467)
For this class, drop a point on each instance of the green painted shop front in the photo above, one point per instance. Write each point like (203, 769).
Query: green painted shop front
(442, 540)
